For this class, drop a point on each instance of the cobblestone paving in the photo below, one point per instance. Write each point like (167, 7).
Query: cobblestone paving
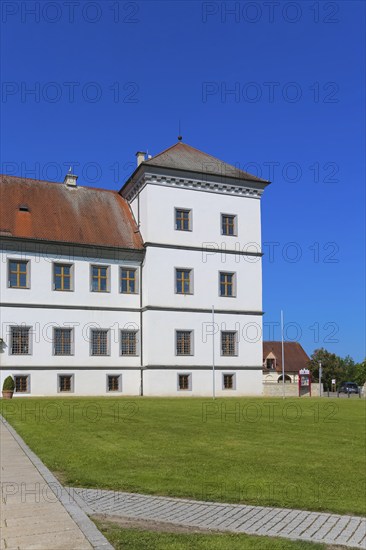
(255, 520)
(36, 512)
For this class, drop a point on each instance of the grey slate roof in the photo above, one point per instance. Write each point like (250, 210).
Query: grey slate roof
(184, 157)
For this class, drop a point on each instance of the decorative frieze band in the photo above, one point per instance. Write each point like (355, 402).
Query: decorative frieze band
(194, 184)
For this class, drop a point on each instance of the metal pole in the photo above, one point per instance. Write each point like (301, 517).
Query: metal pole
(283, 358)
(320, 378)
(213, 352)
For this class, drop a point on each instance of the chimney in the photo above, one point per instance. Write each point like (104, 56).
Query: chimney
(140, 156)
(70, 179)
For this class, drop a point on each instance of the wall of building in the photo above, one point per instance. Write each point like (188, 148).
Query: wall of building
(158, 203)
(42, 322)
(159, 339)
(273, 377)
(88, 381)
(41, 279)
(43, 309)
(291, 390)
(165, 383)
(159, 279)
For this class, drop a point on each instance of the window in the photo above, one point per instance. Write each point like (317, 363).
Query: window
(270, 364)
(228, 225)
(185, 382)
(183, 219)
(114, 382)
(65, 383)
(62, 277)
(62, 341)
(184, 342)
(20, 341)
(18, 274)
(22, 383)
(128, 342)
(128, 281)
(99, 342)
(183, 281)
(99, 278)
(228, 343)
(227, 284)
(228, 381)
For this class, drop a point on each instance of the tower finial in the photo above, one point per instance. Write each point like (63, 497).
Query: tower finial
(179, 136)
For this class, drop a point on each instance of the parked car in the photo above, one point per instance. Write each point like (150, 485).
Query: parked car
(348, 387)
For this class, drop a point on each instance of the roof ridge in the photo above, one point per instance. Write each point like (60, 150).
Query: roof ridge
(195, 149)
(102, 189)
(162, 152)
(28, 179)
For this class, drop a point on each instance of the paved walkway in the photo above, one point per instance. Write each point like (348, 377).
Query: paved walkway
(36, 512)
(255, 520)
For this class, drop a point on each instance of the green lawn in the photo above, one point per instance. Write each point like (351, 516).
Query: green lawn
(305, 453)
(135, 539)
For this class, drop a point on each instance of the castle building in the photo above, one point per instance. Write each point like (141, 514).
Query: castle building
(136, 292)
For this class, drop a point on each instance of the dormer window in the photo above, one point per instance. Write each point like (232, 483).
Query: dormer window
(271, 364)
(23, 208)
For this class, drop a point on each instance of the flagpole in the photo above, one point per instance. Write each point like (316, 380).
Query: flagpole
(283, 357)
(213, 352)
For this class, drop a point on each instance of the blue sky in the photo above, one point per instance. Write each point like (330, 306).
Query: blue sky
(275, 88)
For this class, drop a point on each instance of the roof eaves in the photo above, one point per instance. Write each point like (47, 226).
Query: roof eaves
(72, 243)
(226, 175)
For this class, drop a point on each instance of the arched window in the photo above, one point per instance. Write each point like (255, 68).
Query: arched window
(287, 379)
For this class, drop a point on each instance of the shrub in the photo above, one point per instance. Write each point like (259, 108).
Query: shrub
(8, 384)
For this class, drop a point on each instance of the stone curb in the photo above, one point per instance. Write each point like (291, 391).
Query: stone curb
(66, 497)
(293, 524)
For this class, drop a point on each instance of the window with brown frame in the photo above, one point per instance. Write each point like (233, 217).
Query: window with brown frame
(18, 274)
(20, 340)
(184, 342)
(182, 219)
(228, 225)
(183, 281)
(114, 382)
(228, 343)
(99, 278)
(228, 381)
(21, 383)
(99, 342)
(128, 342)
(65, 383)
(62, 277)
(128, 281)
(227, 284)
(184, 382)
(62, 341)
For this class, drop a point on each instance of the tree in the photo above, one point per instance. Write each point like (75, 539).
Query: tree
(350, 369)
(360, 376)
(332, 367)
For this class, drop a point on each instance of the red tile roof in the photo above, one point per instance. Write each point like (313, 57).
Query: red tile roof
(57, 212)
(295, 356)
